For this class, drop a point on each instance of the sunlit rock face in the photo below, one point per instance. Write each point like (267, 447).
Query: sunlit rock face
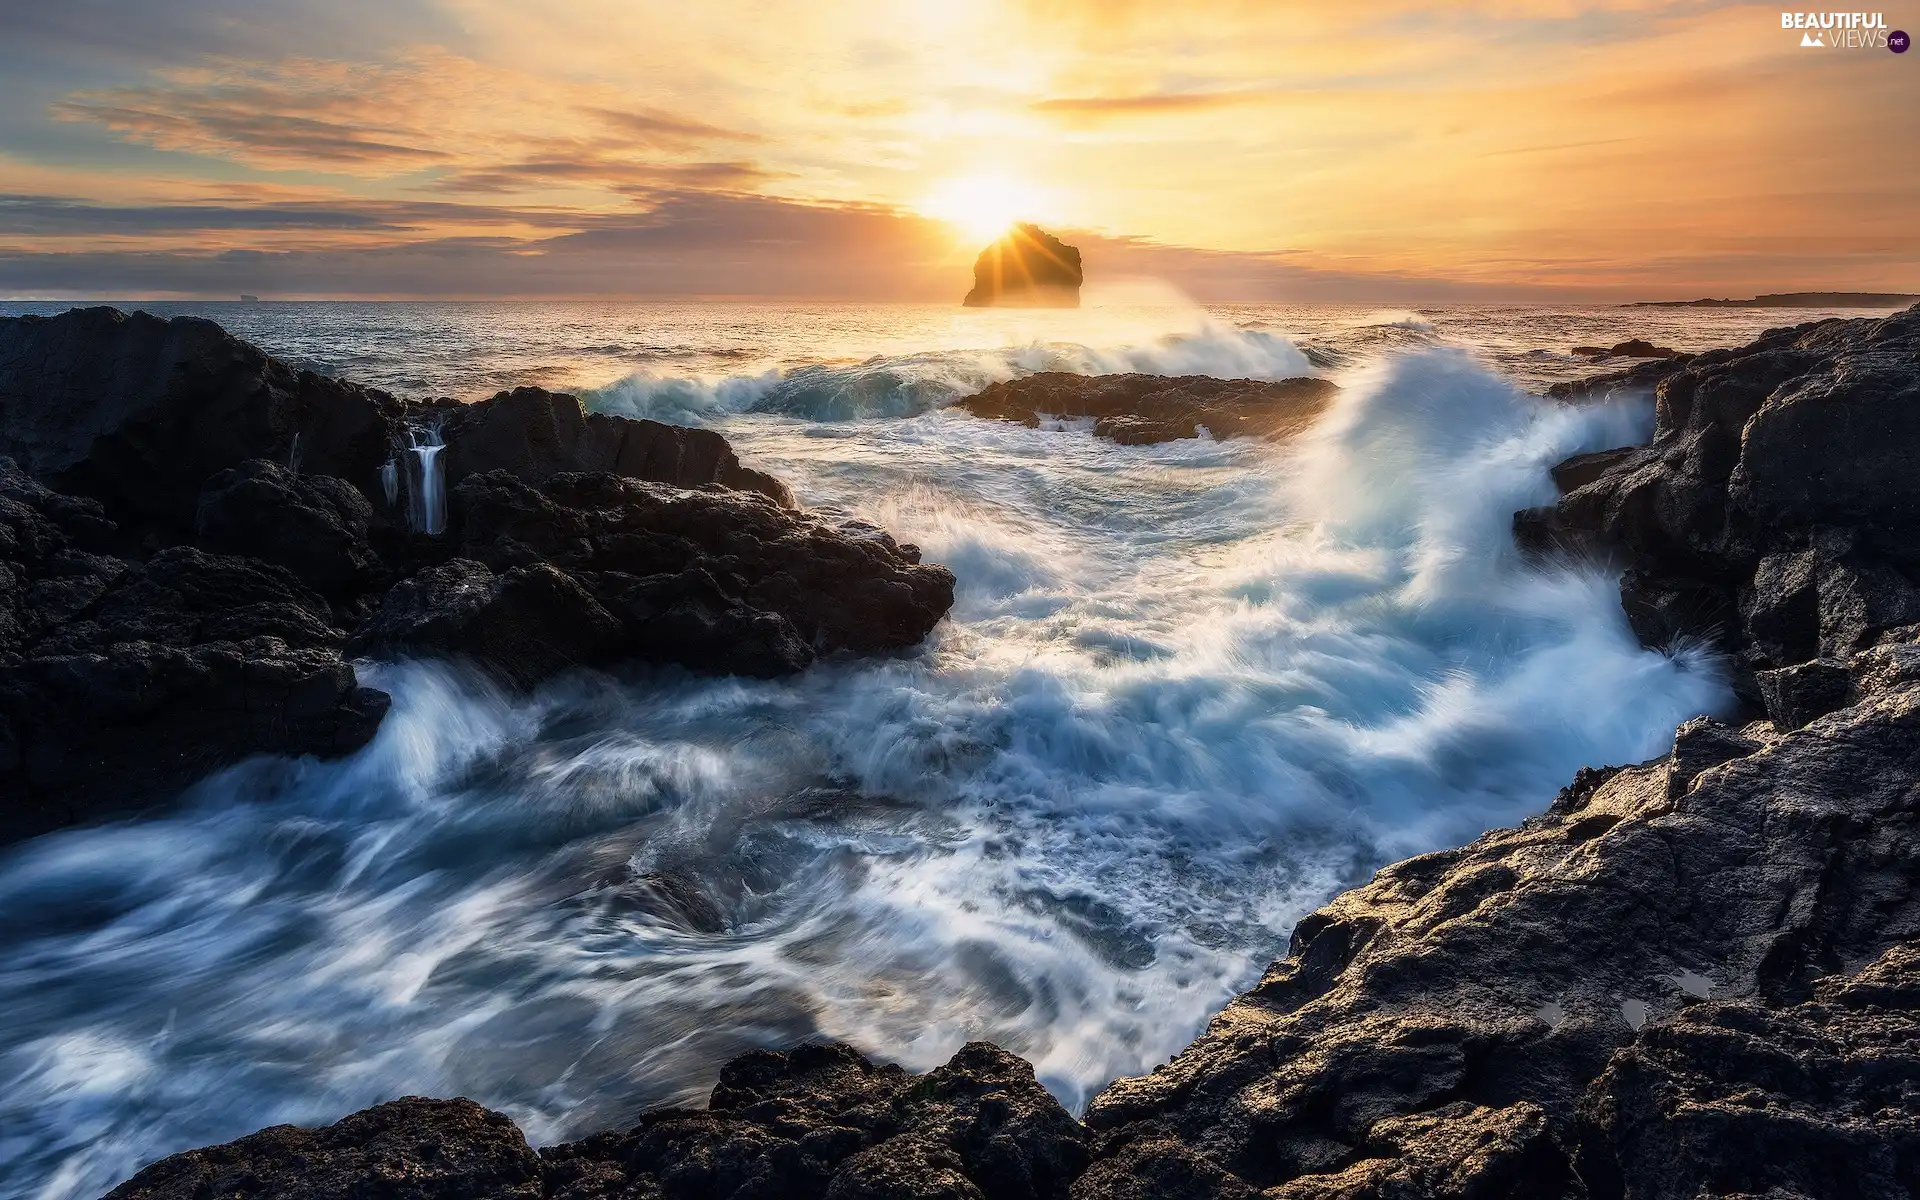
(1028, 268)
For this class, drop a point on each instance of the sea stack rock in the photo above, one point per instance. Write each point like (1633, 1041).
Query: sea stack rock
(1028, 268)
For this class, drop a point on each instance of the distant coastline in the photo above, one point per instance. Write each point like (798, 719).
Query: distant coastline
(1793, 300)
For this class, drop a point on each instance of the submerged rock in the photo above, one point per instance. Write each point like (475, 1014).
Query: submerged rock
(1143, 409)
(1632, 348)
(1028, 268)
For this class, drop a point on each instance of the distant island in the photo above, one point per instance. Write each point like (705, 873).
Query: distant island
(1793, 300)
(1027, 268)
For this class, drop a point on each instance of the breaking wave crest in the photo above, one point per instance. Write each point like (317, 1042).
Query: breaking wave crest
(1187, 692)
(909, 384)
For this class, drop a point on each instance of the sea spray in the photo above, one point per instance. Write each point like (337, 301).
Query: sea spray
(908, 384)
(1187, 692)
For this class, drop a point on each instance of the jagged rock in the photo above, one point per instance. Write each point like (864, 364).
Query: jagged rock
(314, 525)
(537, 434)
(1582, 469)
(1142, 409)
(1028, 268)
(1641, 378)
(138, 412)
(1773, 510)
(121, 682)
(817, 1123)
(131, 663)
(1453, 1152)
(1434, 1033)
(1698, 976)
(1819, 1099)
(595, 569)
(654, 553)
(1804, 692)
(411, 1149)
(1702, 744)
(527, 623)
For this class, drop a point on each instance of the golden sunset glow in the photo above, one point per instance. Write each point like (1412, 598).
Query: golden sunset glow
(1596, 148)
(982, 207)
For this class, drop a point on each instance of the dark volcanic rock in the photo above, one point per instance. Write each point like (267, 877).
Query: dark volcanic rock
(199, 528)
(1774, 509)
(1819, 1099)
(138, 412)
(1460, 1025)
(1633, 348)
(1141, 409)
(410, 1149)
(527, 624)
(121, 682)
(719, 581)
(1695, 977)
(537, 434)
(1028, 268)
(817, 1123)
(313, 525)
(1641, 377)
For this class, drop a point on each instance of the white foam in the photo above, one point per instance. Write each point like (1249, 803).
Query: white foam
(906, 384)
(1188, 691)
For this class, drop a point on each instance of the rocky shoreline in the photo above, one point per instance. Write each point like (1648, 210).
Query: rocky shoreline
(1697, 976)
(196, 540)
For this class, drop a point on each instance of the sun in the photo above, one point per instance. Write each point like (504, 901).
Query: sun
(982, 206)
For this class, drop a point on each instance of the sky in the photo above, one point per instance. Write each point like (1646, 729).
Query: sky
(1240, 150)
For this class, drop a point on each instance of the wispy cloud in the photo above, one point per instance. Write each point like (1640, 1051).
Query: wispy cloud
(461, 122)
(1251, 145)
(1147, 102)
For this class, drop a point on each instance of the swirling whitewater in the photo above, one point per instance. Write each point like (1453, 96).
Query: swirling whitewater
(1186, 693)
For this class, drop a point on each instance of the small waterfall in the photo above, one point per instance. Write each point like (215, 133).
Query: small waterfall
(293, 455)
(427, 483)
(390, 481)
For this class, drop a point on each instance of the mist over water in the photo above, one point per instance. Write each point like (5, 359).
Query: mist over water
(1187, 692)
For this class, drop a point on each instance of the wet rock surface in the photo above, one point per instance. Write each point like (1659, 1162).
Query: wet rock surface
(122, 681)
(1631, 348)
(1144, 409)
(817, 1122)
(535, 434)
(1481, 1021)
(196, 539)
(1694, 977)
(1773, 511)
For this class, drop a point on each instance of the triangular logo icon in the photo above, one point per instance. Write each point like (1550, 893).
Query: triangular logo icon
(1812, 39)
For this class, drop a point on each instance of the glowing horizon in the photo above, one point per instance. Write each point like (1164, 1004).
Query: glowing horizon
(1584, 148)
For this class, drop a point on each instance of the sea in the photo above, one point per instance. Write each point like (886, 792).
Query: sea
(1187, 692)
